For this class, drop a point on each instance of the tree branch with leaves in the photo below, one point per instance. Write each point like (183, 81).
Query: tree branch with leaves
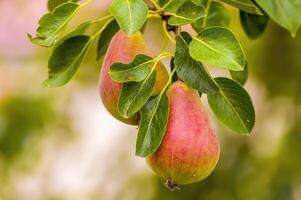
(175, 135)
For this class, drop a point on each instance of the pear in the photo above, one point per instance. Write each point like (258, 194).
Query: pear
(124, 49)
(190, 148)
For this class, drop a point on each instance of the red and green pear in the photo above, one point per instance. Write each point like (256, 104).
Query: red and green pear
(190, 148)
(124, 49)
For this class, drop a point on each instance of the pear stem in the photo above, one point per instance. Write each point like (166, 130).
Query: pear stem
(167, 33)
(86, 3)
(168, 82)
(172, 186)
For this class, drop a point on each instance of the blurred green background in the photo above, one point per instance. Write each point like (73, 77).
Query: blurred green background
(61, 144)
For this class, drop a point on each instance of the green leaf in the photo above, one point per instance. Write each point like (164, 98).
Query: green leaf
(285, 13)
(163, 2)
(218, 46)
(136, 71)
(173, 5)
(198, 2)
(217, 15)
(51, 24)
(253, 25)
(233, 106)
(79, 30)
(245, 5)
(241, 76)
(105, 37)
(187, 13)
(66, 59)
(189, 70)
(130, 14)
(52, 4)
(154, 117)
(174, 77)
(134, 95)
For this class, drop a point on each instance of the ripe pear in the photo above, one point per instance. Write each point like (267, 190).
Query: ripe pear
(124, 49)
(190, 148)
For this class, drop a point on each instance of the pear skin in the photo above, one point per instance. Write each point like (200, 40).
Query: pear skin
(124, 49)
(190, 148)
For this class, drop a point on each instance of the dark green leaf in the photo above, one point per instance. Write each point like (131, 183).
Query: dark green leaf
(51, 24)
(217, 15)
(253, 25)
(189, 70)
(154, 117)
(187, 13)
(130, 14)
(233, 106)
(52, 4)
(245, 5)
(105, 37)
(134, 95)
(66, 59)
(136, 71)
(218, 46)
(285, 13)
(241, 76)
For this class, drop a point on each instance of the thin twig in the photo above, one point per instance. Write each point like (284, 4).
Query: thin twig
(86, 3)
